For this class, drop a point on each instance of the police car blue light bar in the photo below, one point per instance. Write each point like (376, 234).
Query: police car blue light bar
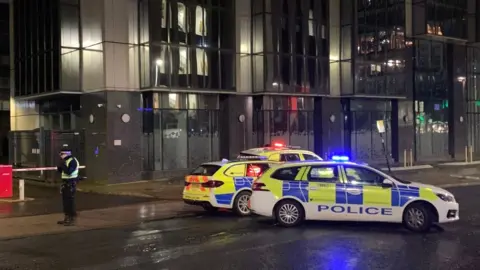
(340, 158)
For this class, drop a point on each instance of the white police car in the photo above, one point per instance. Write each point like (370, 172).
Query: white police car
(347, 191)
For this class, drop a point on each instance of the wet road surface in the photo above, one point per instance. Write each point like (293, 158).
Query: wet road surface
(226, 242)
(48, 201)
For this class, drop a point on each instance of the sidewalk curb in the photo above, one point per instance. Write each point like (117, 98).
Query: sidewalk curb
(470, 184)
(465, 177)
(410, 168)
(104, 227)
(16, 200)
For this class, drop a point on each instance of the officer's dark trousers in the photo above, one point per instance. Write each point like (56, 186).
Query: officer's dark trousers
(69, 188)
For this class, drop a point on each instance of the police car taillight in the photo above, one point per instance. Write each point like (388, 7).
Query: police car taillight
(254, 171)
(212, 184)
(259, 187)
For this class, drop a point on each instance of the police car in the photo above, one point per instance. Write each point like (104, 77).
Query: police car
(227, 184)
(279, 152)
(224, 184)
(345, 191)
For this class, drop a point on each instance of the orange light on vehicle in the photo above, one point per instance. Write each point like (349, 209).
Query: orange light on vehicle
(277, 144)
(254, 171)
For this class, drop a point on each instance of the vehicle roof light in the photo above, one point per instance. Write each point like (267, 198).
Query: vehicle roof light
(251, 157)
(340, 158)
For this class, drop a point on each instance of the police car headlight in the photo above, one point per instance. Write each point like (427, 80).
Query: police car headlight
(445, 197)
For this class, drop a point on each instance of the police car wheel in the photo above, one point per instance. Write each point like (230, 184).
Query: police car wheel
(418, 217)
(240, 205)
(289, 213)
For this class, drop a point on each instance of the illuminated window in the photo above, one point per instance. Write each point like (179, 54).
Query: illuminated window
(173, 101)
(164, 14)
(200, 21)
(434, 30)
(202, 62)
(184, 67)
(182, 18)
(192, 101)
(310, 24)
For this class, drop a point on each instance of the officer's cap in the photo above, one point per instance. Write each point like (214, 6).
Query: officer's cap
(66, 151)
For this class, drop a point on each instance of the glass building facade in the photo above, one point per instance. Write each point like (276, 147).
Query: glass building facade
(158, 86)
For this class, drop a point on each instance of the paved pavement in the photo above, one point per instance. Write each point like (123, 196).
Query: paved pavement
(96, 219)
(227, 242)
(48, 201)
(162, 189)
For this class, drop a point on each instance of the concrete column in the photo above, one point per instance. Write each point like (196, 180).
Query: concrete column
(334, 43)
(234, 135)
(332, 123)
(120, 56)
(243, 37)
(456, 57)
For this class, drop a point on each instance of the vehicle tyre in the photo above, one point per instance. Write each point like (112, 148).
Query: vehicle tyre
(289, 213)
(240, 204)
(418, 217)
(210, 209)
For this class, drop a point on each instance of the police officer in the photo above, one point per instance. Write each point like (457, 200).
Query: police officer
(69, 169)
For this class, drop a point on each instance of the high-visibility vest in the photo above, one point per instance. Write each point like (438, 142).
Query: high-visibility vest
(74, 173)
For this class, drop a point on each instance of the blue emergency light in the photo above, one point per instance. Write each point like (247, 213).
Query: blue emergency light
(340, 158)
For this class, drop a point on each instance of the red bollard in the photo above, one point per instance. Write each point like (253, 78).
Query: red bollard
(6, 185)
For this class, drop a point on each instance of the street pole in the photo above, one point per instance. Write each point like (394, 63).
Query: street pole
(386, 153)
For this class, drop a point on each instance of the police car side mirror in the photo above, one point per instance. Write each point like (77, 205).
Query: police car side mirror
(387, 183)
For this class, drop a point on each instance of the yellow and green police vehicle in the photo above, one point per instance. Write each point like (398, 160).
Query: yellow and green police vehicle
(227, 184)
(347, 191)
(224, 184)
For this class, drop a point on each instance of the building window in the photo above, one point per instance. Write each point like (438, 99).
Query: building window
(447, 18)
(381, 54)
(285, 119)
(184, 130)
(295, 36)
(197, 53)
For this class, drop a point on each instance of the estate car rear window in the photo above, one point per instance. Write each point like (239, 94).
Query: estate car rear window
(286, 173)
(310, 157)
(290, 157)
(206, 170)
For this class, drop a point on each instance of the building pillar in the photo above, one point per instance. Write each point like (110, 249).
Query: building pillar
(328, 127)
(457, 128)
(243, 38)
(235, 134)
(110, 116)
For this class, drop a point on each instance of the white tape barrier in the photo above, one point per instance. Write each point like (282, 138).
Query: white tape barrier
(40, 169)
(21, 182)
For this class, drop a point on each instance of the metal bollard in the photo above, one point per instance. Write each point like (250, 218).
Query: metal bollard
(405, 158)
(471, 153)
(411, 158)
(21, 189)
(466, 154)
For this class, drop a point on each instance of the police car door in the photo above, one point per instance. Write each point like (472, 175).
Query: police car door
(325, 188)
(366, 198)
